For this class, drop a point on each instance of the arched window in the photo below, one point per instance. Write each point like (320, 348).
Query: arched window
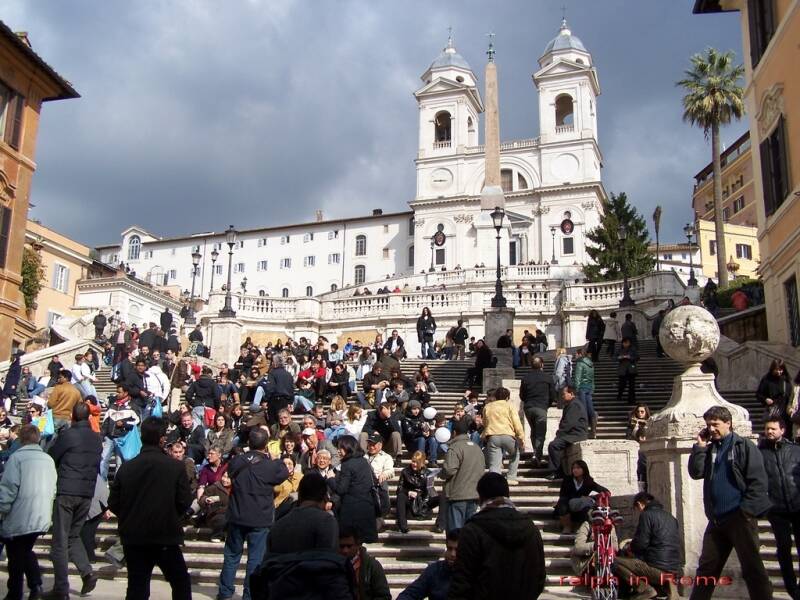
(522, 183)
(285, 293)
(564, 110)
(361, 245)
(360, 274)
(262, 292)
(309, 291)
(334, 287)
(507, 180)
(411, 256)
(134, 246)
(441, 123)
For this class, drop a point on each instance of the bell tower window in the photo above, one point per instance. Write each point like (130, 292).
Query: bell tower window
(564, 110)
(441, 124)
(507, 180)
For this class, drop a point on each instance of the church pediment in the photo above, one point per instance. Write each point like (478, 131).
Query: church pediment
(562, 68)
(440, 85)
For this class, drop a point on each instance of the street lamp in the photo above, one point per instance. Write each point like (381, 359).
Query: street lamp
(230, 239)
(497, 220)
(214, 257)
(196, 256)
(553, 261)
(689, 231)
(433, 241)
(626, 289)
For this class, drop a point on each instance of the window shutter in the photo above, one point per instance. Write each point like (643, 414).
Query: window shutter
(766, 177)
(54, 278)
(5, 226)
(16, 109)
(753, 29)
(781, 168)
(65, 283)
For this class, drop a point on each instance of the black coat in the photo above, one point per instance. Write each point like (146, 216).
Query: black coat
(483, 358)
(166, 321)
(573, 426)
(353, 484)
(537, 390)
(595, 328)
(425, 331)
(150, 495)
(254, 476)
(782, 463)
(657, 540)
(310, 575)
(134, 384)
(203, 392)
(569, 492)
(279, 383)
(776, 388)
(384, 427)
(147, 338)
(626, 361)
(196, 336)
(76, 452)
(500, 557)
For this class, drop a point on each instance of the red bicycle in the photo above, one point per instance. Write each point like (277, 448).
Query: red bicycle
(604, 584)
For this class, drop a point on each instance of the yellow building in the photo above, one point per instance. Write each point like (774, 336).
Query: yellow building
(770, 31)
(26, 82)
(741, 243)
(64, 263)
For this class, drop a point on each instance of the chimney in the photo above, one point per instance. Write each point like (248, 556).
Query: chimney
(318, 215)
(377, 212)
(23, 35)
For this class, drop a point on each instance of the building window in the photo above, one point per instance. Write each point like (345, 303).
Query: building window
(361, 245)
(173, 251)
(332, 235)
(285, 293)
(308, 261)
(240, 244)
(712, 247)
(522, 183)
(744, 251)
(360, 274)
(52, 317)
(775, 168)
(761, 16)
(286, 263)
(134, 247)
(308, 237)
(334, 259)
(385, 254)
(668, 257)
(334, 287)
(564, 110)
(792, 310)
(439, 256)
(262, 242)
(507, 180)
(216, 246)
(683, 255)
(385, 228)
(738, 204)
(148, 254)
(60, 278)
(441, 123)
(173, 274)
(726, 213)
(261, 266)
(309, 291)
(218, 269)
(568, 245)
(195, 249)
(411, 226)
(238, 267)
(262, 293)
(411, 256)
(5, 227)
(284, 240)
(12, 109)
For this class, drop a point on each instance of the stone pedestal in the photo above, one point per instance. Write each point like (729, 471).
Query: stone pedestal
(497, 321)
(225, 338)
(494, 378)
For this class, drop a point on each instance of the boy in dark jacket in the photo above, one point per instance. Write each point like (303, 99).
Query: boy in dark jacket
(434, 583)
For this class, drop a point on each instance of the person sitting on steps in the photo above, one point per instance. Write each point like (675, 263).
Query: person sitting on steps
(572, 428)
(574, 503)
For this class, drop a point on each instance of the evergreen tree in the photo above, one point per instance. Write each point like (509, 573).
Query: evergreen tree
(606, 248)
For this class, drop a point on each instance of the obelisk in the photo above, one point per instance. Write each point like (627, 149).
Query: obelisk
(492, 193)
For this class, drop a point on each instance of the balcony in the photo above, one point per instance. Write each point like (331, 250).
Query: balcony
(441, 145)
(565, 129)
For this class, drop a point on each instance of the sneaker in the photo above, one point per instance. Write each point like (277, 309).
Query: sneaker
(89, 583)
(512, 482)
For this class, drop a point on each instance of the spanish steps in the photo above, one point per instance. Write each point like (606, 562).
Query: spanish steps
(404, 556)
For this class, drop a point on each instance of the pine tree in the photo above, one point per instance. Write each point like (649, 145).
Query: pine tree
(606, 248)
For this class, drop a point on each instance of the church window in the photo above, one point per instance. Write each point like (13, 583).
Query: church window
(361, 245)
(459, 79)
(360, 274)
(285, 293)
(567, 214)
(522, 183)
(309, 291)
(385, 254)
(411, 256)
(262, 293)
(579, 61)
(568, 245)
(440, 256)
(134, 247)
(507, 180)
(442, 127)
(334, 287)
(564, 110)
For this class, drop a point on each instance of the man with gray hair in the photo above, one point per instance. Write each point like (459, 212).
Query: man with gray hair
(276, 388)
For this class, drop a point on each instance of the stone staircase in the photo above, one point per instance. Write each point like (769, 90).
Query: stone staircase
(404, 556)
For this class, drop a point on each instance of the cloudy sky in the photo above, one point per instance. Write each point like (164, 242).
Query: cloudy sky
(196, 114)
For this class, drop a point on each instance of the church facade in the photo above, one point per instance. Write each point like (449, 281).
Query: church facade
(551, 184)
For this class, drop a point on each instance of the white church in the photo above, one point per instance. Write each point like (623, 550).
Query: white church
(551, 184)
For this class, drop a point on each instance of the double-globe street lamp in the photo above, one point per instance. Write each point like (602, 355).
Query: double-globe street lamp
(553, 260)
(230, 239)
(497, 220)
(689, 231)
(196, 256)
(626, 288)
(214, 257)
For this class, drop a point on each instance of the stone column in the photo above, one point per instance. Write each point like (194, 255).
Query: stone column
(225, 338)
(688, 334)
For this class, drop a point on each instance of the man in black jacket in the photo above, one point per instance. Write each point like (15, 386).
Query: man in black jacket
(387, 424)
(166, 320)
(573, 427)
(135, 383)
(202, 394)
(99, 323)
(537, 394)
(500, 550)
(734, 496)
(276, 389)
(655, 552)
(191, 434)
(250, 511)
(782, 463)
(150, 495)
(76, 452)
(148, 336)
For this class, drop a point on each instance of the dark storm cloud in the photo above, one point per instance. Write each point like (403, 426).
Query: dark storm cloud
(198, 114)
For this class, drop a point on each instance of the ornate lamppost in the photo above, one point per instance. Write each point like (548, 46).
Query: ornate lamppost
(433, 242)
(497, 220)
(196, 256)
(553, 261)
(626, 288)
(689, 231)
(214, 257)
(230, 239)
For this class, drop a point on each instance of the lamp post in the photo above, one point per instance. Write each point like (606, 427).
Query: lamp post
(497, 220)
(626, 289)
(230, 239)
(195, 267)
(214, 257)
(432, 269)
(689, 231)
(553, 261)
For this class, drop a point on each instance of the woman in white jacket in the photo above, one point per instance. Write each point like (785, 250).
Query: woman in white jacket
(158, 382)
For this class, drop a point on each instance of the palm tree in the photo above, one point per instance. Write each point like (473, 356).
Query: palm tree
(714, 96)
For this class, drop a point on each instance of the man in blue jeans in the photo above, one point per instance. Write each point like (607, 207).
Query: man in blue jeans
(250, 512)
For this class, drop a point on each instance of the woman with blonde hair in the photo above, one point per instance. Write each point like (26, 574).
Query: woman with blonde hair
(413, 493)
(355, 420)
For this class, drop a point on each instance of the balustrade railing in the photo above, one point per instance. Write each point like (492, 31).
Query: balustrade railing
(564, 128)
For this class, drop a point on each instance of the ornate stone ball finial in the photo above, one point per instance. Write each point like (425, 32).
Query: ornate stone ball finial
(689, 334)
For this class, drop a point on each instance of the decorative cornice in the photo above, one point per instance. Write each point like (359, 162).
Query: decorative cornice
(125, 282)
(770, 110)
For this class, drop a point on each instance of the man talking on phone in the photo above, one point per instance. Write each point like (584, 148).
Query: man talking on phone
(734, 496)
